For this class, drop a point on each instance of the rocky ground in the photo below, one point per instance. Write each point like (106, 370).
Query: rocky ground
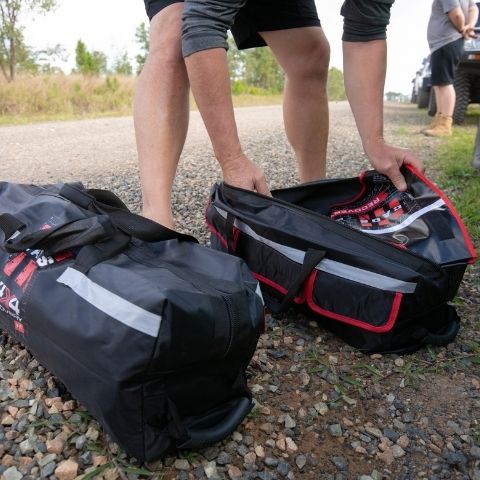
(323, 410)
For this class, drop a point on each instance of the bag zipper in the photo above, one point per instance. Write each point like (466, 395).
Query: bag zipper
(234, 322)
(351, 233)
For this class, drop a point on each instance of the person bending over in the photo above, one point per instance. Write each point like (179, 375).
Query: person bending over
(188, 43)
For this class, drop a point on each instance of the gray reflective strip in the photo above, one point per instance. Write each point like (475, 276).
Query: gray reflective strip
(116, 307)
(410, 219)
(258, 291)
(366, 277)
(333, 267)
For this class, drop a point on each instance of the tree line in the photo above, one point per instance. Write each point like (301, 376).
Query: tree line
(252, 71)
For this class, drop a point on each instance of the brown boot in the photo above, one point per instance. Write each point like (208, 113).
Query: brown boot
(443, 128)
(432, 124)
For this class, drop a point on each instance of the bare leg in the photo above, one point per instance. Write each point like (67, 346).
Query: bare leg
(304, 55)
(161, 112)
(445, 98)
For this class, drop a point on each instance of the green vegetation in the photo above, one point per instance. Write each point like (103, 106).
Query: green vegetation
(457, 176)
(89, 93)
(13, 51)
(49, 97)
(33, 89)
(89, 63)
(256, 72)
(335, 87)
(142, 38)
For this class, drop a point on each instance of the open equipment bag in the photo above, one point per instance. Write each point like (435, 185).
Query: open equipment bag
(147, 329)
(375, 265)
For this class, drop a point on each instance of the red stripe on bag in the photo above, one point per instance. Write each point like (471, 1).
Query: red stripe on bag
(276, 286)
(359, 195)
(24, 277)
(12, 264)
(216, 233)
(19, 327)
(397, 300)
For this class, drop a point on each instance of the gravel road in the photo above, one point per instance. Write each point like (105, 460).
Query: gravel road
(324, 411)
(102, 153)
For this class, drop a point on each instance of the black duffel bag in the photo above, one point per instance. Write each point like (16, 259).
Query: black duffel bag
(375, 265)
(149, 330)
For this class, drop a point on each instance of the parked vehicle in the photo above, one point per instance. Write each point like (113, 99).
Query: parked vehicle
(467, 80)
(422, 84)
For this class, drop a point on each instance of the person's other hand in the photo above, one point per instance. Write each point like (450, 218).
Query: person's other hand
(242, 172)
(387, 159)
(469, 33)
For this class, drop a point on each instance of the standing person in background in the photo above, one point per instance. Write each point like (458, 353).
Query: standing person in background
(451, 22)
(188, 43)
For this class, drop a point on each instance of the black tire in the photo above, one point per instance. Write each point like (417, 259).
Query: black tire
(432, 103)
(413, 97)
(423, 96)
(462, 91)
(475, 87)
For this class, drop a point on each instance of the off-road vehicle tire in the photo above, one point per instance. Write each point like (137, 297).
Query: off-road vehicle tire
(413, 96)
(462, 90)
(422, 100)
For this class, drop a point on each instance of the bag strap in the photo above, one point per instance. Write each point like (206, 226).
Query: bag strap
(106, 202)
(107, 197)
(311, 260)
(230, 233)
(443, 336)
(91, 255)
(67, 237)
(10, 224)
(197, 437)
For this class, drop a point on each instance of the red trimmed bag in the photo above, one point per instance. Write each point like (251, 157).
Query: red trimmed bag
(375, 265)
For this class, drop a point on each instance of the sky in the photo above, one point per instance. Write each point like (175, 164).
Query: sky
(109, 26)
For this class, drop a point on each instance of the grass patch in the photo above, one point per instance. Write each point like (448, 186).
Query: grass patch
(41, 98)
(473, 111)
(456, 175)
(64, 96)
(60, 117)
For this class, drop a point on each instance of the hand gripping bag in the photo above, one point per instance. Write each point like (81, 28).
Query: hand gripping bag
(374, 265)
(149, 330)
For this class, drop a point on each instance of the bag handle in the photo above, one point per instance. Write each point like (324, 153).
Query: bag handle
(444, 338)
(441, 338)
(91, 255)
(106, 202)
(72, 235)
(9, 225)
(203, 436)
(311, 260)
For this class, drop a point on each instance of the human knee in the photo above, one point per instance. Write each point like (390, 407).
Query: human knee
(165, 53)
(312, 65)
(165, 50)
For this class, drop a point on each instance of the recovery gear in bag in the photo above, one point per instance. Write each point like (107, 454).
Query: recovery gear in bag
(375, 265)
(147, 329)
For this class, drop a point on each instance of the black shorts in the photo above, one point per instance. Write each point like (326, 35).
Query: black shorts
(259, 16)
(444, 61)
